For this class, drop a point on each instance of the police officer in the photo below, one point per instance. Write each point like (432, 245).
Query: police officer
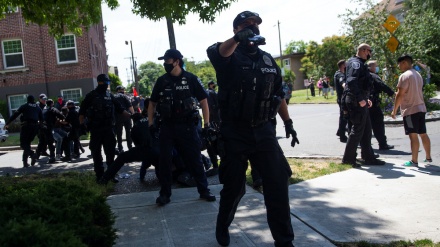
(141, 152)
(50, 116)
(121, 121)
(376, 113)
(175, 95)
(31, 117)
(358, 86)
(99, 107)
(250, 94)
(42, 132)
(339, 80)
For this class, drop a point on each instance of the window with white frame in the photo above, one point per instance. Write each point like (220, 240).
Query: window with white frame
(15, 101)
(66, 49)
(286, 62)
(12, 54)
(74, 94)
(10, 9)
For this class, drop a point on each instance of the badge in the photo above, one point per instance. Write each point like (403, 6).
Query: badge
(267, 60)
(356, 65)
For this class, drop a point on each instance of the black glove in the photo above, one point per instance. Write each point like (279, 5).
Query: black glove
(244, 35)
(209, 134)
(288, 125)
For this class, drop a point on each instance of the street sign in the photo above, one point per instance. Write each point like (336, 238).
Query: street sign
(392, 44)
(391, 24)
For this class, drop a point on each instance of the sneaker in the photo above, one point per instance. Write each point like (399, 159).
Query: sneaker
(410, 164)
(208, 196)
(427, 160)
(162, 200)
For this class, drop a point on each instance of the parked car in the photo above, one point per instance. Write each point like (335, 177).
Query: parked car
(3, 133)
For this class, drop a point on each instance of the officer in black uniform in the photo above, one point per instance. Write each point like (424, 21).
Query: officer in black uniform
(175, 95)
(122, 121)
(357, 92)
(214, 118)
(99, 107)
(250, 95)
(31, 118)
(376, 113)
(141, 152)
(50, 115)
(42, 132)
(339, 80)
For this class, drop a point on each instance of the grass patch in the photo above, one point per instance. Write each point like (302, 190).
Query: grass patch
(300, 97)
(306, 169)
(64, 209)
(415, 243)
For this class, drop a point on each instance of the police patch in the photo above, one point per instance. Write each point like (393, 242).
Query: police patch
(267, 60)
(356, 65)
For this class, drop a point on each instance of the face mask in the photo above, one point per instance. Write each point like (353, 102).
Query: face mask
(377, 69)
(368, 57)
(101, 87)
(168, 67)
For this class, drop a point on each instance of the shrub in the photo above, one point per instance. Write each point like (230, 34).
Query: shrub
(55, 210)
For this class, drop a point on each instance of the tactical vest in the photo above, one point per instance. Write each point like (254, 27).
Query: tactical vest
(101, 111)
(251, 98)
(176, 102)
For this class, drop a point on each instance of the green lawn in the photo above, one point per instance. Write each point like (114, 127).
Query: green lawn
(300, 97)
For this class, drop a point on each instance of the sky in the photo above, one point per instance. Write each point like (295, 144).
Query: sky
(299, 20)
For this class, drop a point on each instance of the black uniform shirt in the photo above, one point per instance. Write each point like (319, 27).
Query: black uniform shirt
(50, 115)
(339, 80)
(181, 87)
(241, 67)
(123, 100)
(378, 87)
(140, 133)
(358, 78)
(91, 96)
(31, 113)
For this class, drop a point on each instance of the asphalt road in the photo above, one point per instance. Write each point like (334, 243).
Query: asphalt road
(316, 126)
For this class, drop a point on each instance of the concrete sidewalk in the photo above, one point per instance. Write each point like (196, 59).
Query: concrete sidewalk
(377, 204)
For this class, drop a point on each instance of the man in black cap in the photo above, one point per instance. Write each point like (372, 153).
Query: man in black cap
(250, 95)
(42, 133)
(339, 80)
(122, 121)
(99, 107)
(31, 117)
(175, 94)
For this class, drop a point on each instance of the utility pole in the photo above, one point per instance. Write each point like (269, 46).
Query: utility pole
(281, 51)
(136, 83)
(171, 36)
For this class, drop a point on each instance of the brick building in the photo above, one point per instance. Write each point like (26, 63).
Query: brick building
(34, 62)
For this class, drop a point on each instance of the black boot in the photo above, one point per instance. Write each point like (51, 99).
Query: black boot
(25, 164)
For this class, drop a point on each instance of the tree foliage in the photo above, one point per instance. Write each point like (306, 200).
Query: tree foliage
(115, 81)
(148, 73)
(60, 16)
(63, 16)
(204, 70)
(321, 59)
(295, 47)
(418, 34)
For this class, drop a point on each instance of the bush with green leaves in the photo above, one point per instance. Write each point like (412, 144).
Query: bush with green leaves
(66, 209)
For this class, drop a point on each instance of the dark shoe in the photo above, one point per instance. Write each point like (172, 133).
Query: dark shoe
(208, 196)
(66, 159)
(162, 200)
(222, 236)
(212, 172)
(374, 162)
(353, 164)
(33, 159)
(44, 154)
(386, 147)
(25, 164)
(51, 160)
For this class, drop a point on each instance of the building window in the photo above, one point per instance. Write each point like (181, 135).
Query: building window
(286, 62)
(10, 10)
(12, 54)
(66, 49)
(15, 101)
(74, 94)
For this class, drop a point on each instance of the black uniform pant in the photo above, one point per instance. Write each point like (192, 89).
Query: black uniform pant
(378, 125)
(342, 123)
(50, 142)
(259, 146)
(360, 132)
(185, 139)
(104, 137)
(312, 91)
(42, 141)
(126, 124)
(143, 154)
(27, 135)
